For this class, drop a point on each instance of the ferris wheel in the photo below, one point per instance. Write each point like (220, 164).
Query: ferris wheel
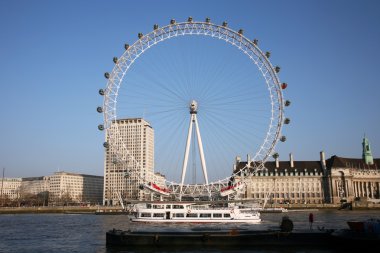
(193, 109)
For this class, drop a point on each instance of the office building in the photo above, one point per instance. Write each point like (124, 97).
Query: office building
(68, 188)
(122, 177)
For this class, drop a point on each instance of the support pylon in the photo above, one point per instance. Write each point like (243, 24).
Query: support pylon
(193, 120)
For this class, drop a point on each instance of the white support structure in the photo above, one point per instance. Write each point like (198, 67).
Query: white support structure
(193, 120)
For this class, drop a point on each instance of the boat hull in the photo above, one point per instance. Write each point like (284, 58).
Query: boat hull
(196, 220)
(215, 239)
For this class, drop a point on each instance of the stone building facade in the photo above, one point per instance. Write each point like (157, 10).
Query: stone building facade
(75, 188)
(10, 188)
(334, 180)
(35, 185)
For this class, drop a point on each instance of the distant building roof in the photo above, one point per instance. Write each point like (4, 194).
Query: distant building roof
(75, 174)
(357, 163)
(308, 166)
(311, 166)
(32, 178)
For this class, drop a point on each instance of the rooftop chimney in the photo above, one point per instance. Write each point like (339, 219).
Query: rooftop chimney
(323, 160)
(291, 160)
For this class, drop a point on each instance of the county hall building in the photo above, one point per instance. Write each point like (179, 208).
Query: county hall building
(334, 180)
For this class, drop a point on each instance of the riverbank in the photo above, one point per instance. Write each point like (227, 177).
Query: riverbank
(115, 210)
(58, 209)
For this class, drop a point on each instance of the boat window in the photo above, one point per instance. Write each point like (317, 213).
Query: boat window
(180, 215)
(158, 215)
(148, 206)
(168, 206)
(158, 207)
(192, 215)
(227, 215)
(217, 215)
(205, 215)
(177, 206)
(146, 215)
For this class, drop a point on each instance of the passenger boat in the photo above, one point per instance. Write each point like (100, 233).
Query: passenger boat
(193, 213)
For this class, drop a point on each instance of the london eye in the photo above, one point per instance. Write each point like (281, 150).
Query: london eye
(209, 93)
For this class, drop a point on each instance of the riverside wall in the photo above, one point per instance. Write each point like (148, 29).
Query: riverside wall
(57, 209)
(93, 209)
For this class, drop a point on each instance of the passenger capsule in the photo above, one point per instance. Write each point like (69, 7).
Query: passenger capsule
(284, 85)
(106, 145)
(190, 19)
(114, 60)
(172, 21)
(255, 41)
(208, 20)
(277, 69)
(126, 46)
(107, 75)
(287, 121)
(283, 138)
(101, 92)
(155, 27)
(267, 54)
(99, 109)
(241, 31)
(225, 24)
(287, 102)
(140, 35)
(101, 127)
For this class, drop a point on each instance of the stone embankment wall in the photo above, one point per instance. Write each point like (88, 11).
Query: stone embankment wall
(57, 209)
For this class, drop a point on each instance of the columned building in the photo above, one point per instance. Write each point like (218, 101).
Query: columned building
(334, 180)
(287, 182)
(122, 179)
(354, 178)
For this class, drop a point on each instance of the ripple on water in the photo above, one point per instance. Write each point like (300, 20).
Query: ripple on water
(86, 233)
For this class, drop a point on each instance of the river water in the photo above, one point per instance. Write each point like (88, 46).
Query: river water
(87, 232)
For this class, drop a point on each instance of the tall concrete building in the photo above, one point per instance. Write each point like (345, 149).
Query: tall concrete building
(122, 179)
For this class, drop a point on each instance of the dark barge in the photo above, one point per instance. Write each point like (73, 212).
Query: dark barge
(217, 239)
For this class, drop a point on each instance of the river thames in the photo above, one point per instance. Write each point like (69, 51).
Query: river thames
(87, 232)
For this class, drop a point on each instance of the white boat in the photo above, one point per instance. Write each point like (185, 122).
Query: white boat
(193, 213)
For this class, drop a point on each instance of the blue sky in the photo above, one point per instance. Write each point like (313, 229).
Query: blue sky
(53, 55)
